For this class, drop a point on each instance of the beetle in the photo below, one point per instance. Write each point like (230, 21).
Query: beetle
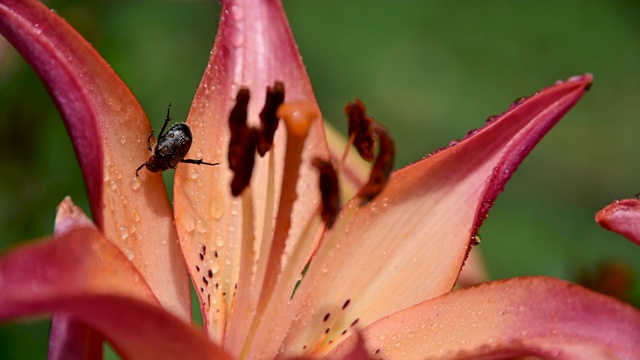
(171, 148)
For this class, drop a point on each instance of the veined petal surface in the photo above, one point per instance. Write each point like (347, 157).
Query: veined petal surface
(518, 317)
(408, 244)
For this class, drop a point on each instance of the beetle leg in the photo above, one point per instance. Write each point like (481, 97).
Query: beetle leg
(140, 167)
(198, 162)
(166, 121)
(149, 141)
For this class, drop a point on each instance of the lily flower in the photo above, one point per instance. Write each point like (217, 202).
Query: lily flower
(280, 269)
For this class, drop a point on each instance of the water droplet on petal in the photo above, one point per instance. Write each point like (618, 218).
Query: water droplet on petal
(124, 232)
(201, 226)
(189, 223)
(217, 206)
(135, 183)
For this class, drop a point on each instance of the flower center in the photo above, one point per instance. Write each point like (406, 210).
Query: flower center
(271, 264)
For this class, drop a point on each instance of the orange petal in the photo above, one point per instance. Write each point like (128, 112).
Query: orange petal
(409, 243)
(254, 48)
(623, 217)
(109, 131)
(534, 316)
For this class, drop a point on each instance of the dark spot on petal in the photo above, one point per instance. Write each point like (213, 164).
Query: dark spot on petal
(210, 274)
(377, 352)
(201, 289)
(215, 253)
(326, 317)
(201, 256)
(205, 280)
(327, 330)
(197, 268)
(346, 303)
(355, 321)
(204, 249)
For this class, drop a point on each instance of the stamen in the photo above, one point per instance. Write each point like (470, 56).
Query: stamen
(329, 190)
(298, 118)
(268, 118)
(242, 143)
(360, 129)
(382, 166)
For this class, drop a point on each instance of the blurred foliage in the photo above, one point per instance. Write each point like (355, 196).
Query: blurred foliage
(428, 70)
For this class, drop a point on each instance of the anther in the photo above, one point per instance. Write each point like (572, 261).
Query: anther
(359, 125)
(329, 190)
(268, 118)
(382, 166)
(242, 143)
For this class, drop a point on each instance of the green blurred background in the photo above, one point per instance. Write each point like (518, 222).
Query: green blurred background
(430, 71)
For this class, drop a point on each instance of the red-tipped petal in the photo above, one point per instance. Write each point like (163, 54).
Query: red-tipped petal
(82, 275)
(534, 316)
(109, 131)
(623, 217)
(254, 48)
(409, 243)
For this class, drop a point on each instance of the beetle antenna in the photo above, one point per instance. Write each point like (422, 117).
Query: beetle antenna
(198, 162)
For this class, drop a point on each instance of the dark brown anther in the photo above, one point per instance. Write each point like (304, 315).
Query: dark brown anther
(329, 190)
(382, 166)
(268, 118)
(360, 129)
(245, 159)
(242, 143)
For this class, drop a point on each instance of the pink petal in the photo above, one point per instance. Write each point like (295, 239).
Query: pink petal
(534, 316)
(409, 243)
(82, 275)
(254, 48)
(109, 130)
(623, 217)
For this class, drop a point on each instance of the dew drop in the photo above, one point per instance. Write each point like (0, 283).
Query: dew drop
(217, 206)
(193, 174)
(123, 139)
(201, 226)
(124, 232)
(325, 269)
(189, 223)
(220, 241)
(112, 185)
(214, 265)
(135, 183)
(136, 215)
(130, 254)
